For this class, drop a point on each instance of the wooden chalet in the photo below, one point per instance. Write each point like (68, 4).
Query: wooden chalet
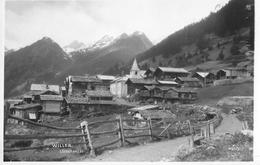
(232, 73)
(204, 77)
(189, 82)
(135, 84)
(164, 73)
(51, 103)
(167, 94)
(76, 104)
(118, 87)
(27, 111)
(77, 85)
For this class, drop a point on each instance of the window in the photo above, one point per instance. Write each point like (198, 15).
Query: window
(135, 72)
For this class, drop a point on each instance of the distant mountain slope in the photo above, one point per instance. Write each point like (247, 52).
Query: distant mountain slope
(224, 22)
(224, 36)
(107, 52)
(40, 62)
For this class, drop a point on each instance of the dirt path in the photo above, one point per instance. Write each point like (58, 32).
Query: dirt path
(229, 124)
(158, 151)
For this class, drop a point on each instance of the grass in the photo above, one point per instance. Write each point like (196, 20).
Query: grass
(237, 147)
(211, 95)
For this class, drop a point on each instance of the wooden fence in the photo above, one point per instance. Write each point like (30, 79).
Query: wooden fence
(88, 136)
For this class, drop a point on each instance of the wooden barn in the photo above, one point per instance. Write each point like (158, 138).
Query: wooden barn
(134, 84)
(77, 85)
(27, 111)
(189, 82)
(165, 73)
(187, 95)
(232, 73)
(51, 103)
(118, 87)
(204, 77)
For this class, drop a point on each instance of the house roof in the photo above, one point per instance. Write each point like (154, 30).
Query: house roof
(98, 93)
(106, 77)
(135, 66)
(149, 87)
(145, 107)
(142, 81)
(51, 97)
(27, 106)
(188, 79)
(32, 93)
(125, 78)
(173, 70)
(167, 82)
(203, 74)
(84, 79)
(45, 87)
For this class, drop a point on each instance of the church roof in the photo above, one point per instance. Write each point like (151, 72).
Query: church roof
(135, 66)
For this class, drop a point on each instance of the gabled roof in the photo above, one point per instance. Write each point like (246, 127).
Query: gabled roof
(172, 70)
(141, 81)
(135, 66)
(98, 93)
(45, 87)
(51, 98)
(145, 107)
(84, 79)
(106, 77)
(186, 79)
(167, 82)
(203, 74)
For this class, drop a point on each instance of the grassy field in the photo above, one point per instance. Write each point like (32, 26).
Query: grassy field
(237, 147)
(211, 95)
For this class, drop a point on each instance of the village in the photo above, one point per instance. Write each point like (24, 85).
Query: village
(162, 98)
(161, 86)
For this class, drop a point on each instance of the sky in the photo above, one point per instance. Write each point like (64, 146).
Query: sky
(89, 20)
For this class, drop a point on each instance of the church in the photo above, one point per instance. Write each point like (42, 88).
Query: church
(118, 87)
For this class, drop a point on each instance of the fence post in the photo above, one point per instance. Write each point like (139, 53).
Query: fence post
(92, 151)
(6, 114)
(208, 129)
(119, 130)
(122, 130)
(83, 128)
(167, 131)
(150, 128)
(191, 141)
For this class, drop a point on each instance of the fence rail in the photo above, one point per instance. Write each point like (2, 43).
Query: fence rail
(121, 130)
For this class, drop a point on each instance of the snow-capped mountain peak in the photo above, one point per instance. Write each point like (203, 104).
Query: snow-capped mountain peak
(103, 42)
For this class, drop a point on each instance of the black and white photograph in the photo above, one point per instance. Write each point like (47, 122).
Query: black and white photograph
(128, 81)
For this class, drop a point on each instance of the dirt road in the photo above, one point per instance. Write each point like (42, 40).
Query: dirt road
(158, 151)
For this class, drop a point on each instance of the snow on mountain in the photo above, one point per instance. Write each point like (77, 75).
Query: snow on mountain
(103, 42)
(74, 46)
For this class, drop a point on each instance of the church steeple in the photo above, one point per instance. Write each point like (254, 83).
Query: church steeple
(135, 71)
(135, 66)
